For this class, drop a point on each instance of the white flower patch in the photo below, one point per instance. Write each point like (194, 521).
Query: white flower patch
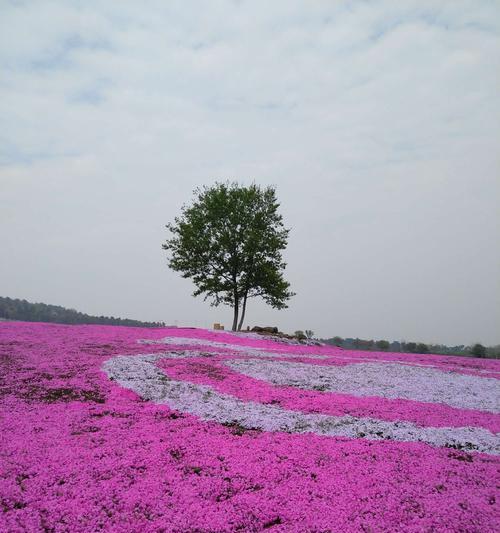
(412, 363)
(386, 380)
(140, 374)
(247, 350)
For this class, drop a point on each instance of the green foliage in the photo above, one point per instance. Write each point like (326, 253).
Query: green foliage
(382, 345)
(478, 350)
(14, 309)
(300, 335)
(422, 348)
(229, 243)
(410, 347)
(337, 341)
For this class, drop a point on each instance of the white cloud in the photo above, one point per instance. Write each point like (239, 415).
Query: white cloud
(378, 122)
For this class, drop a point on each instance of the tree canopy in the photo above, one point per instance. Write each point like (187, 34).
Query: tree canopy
(478, 350)
(15, 309)
(229, 242)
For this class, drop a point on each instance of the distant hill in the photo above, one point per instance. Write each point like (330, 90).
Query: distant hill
(14, 309)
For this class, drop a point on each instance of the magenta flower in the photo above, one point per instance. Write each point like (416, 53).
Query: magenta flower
(127, 429)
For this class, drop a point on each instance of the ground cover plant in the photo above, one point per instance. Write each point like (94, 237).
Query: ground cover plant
(132, 429)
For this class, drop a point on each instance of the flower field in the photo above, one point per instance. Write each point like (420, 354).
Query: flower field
(187, 430)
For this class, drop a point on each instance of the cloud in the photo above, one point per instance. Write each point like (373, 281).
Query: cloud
(378, 122)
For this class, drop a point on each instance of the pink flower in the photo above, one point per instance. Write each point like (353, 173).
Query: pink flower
(81, 452)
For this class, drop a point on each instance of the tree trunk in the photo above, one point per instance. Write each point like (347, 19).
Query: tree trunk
(235, 316)
(243, 309)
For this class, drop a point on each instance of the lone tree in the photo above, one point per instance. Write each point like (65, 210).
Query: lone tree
(229, 242)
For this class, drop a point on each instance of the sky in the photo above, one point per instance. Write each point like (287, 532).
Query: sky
(378, 122)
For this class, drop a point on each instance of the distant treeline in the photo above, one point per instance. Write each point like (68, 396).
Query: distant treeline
(14, 309)
(476, 350)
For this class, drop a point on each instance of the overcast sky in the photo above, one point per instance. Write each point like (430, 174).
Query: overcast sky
(378, 123)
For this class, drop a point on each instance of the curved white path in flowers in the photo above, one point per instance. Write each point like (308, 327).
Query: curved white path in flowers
(140, 374)
(386, 380)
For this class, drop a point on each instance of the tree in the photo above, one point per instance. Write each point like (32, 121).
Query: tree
(364, 344)
(229, 242)
(422, 348)
(478, 350)
(383, 345)
(410, 347)
(309, 333)
(23, 310)
(338, 341)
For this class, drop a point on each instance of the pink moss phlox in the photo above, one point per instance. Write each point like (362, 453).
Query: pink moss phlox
(212, 372)
(80, 453)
